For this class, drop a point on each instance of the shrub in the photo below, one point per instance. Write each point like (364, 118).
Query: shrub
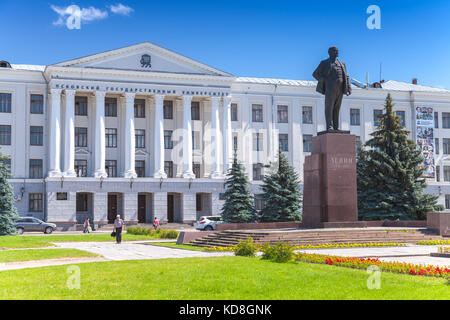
(159, 233)
(246, 248)
(281, 252)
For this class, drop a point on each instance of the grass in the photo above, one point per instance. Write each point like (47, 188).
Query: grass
(234, 278)
(42, 254)
(19, 242)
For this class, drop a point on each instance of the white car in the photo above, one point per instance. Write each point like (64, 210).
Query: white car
(208, 223)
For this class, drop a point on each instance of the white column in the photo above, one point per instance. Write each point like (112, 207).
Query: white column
(216, 168)
(227, 135)
(69, 135)
(55, 134)
(130, 143)
(158, 144)
(100, 135)
(187, 138)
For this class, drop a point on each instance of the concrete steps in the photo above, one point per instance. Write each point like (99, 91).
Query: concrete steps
(316, 237)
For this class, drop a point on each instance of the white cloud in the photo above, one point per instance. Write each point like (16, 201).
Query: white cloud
(74, 12)
(121, 9)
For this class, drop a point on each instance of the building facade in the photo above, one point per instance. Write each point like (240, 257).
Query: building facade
(142, 131)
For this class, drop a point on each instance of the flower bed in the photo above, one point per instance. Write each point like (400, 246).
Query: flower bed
(364, 263)
(433, 242)
(444, 249)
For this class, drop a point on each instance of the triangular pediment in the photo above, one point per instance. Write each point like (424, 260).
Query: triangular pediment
(145, 56)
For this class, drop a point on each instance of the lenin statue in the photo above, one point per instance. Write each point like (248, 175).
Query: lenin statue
(333, 82)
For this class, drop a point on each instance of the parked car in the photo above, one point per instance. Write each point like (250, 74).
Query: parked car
(208, 223)
(33, 224)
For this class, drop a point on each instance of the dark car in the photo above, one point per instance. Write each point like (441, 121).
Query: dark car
(33, 224)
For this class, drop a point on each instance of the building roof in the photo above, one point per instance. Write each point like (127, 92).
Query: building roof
(393, 85)
(27, 67)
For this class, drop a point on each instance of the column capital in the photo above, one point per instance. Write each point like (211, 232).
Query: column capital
(159, 98)
(215, 99)
(70, 93)
(55, 92)
(129, 96)
(100, 94)
(187, 99)
(227, 101)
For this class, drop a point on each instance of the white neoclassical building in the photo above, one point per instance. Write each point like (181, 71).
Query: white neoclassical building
(142, 131)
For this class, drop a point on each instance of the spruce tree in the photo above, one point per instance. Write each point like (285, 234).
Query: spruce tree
(239, 204)
(390, 183)
(282, 197)
(8, 211)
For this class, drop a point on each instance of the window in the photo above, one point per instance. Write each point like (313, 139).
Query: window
(36, 169)
(447, 201)
(35, 202)
(168, 168)
(139, 108)
(257, 142)
(37, 104)
(5, 102)
(446, 145)
(257, 113)
(111, 138)
(402, 116)
(111, 168)
(140, 139)
(61, 196)
(447, 173)
(196, 170)
(140, 168)
(195, 110)
(81, 106)
(81, 137)
(284, 142)
(81, 168)
(198, 202)
(438, 174)
(436, 120)
(259, 202)
(307, 115)
(110, 107)
(5, 135)
(257, 171)
(436, 146)
(36, 136)
(355, 118)
(168, 109)
(235, 143)
(168, 143)
(234, 112)
(376, 117)
(307, 142)
(445, 120)
(82, 202)
(283, 114)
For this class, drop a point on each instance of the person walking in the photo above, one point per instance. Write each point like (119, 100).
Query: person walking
(155, 223)
(87, 226)
(118, 225)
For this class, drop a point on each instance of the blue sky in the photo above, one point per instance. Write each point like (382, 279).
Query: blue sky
(278, 39)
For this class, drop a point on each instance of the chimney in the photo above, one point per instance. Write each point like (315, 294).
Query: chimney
(414, 81)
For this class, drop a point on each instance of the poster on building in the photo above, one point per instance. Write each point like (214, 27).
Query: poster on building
(425, 139)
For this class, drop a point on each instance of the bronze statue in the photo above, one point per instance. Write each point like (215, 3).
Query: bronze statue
(333, 82)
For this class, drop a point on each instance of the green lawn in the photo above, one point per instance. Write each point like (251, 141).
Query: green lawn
(177, 246)
(16, 242)
(214, 278)
(41, 254)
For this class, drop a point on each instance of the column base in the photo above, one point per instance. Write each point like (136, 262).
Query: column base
(70, 174)
(100, 174)
(159, 175)
(217, 175)
(55, 174)
(130, 174)
(188, 175)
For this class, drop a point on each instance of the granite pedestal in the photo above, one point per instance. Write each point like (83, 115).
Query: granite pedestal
(330, 191)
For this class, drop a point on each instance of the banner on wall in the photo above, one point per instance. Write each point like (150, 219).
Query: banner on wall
(425, 139)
